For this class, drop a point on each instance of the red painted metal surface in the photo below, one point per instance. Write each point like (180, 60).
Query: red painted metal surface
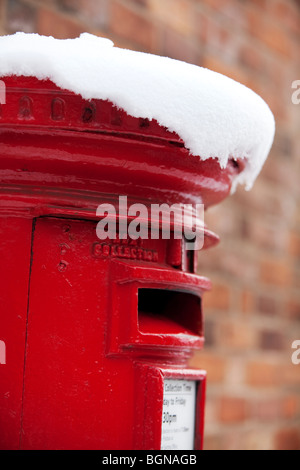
(92, 329)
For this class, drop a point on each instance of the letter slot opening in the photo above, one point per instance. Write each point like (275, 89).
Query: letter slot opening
(169, 312)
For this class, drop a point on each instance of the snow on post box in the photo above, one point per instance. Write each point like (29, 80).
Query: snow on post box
(98, 333)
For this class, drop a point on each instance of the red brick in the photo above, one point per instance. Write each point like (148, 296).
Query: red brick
(263, 374)
(278, 171)
(294, 245)
(212, 441)
(288, 439)
(203, 27)
(232, 12)
(264, 200)
(296, 278)
(211, 31)
(290, 407)
(210, 332)
(229, 261)
(143, 3)
(275, 408)
(280, 9)
(269, 33)
(224, 220)
(176, 46)
(271, 340)
(247, 301)
(286, 13)
(232, 410)
(50, 23)
(214, 364)
(269, 234)
(266, 409)
(267, 305)
(177, 14)
(123, 21)
(217, 4)
(261, 4)
(276, 38)
(237, 334)
(251, 57)
(290, 374)
(283, 145)
(276, 272)
(293, 309)
(52, 3)
(297, 211)
(218, 298)
(292, 19)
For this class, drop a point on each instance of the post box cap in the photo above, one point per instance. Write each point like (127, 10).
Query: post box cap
(215, 116)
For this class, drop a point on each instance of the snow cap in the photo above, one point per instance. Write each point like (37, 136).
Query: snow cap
(215, 116)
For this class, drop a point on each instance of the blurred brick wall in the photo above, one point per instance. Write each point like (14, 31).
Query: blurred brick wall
(253, 311)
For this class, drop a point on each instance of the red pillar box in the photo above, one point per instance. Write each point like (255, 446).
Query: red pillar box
(97, 333)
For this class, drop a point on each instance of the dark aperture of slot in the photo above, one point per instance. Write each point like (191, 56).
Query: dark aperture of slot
(169, 312)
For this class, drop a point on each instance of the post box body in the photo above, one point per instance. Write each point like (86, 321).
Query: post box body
(97, 333)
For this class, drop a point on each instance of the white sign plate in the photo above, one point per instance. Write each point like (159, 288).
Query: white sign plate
(178, 417)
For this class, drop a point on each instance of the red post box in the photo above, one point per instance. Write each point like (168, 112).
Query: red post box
(96, 334)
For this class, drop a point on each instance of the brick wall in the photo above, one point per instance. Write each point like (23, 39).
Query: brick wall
(253, 311)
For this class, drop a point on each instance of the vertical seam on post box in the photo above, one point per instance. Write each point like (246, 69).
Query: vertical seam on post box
(26, 330)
